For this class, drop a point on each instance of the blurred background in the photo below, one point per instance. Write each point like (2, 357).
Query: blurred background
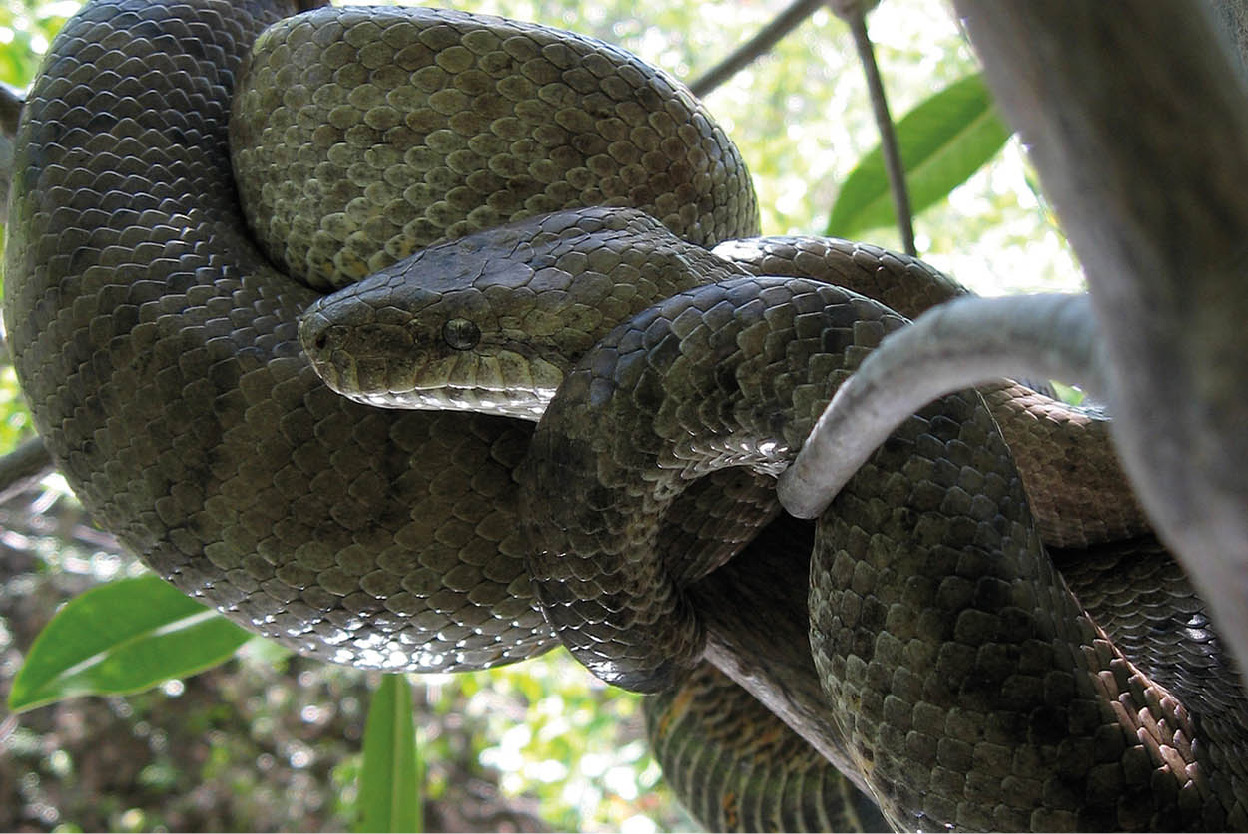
(270, 741)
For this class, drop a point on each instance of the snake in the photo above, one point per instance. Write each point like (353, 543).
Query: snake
(155, 329)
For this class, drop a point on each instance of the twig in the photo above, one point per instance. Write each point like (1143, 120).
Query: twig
(8, 726)
(768, 36)
(11, 104)
(22, 467)
(856, 16)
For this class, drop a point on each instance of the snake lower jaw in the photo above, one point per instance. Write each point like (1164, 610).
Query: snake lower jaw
(451, 398)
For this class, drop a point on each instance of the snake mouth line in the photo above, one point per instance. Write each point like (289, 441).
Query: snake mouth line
(389, 367)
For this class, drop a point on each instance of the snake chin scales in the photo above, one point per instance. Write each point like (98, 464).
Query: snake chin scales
(225, 213)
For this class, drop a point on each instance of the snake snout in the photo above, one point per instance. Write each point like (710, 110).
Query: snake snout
(356, 355)
(322, 339)
(315, 334)
(395, 345)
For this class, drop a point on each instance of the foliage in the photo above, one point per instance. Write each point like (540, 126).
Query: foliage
(942, 142)
(26, 29)
(390, 777)
(14, 419)
(123, 637)
(545, 730)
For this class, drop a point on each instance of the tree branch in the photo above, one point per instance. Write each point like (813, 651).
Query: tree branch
(1146, 169)
(22, 467)
(746, 53)
(856, 17)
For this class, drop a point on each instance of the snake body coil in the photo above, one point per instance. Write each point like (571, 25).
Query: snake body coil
(157, 345)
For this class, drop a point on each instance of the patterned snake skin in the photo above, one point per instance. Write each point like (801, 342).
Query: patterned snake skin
(156, 342)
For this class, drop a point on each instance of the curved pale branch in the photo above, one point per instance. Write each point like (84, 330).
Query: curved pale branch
(959, 344)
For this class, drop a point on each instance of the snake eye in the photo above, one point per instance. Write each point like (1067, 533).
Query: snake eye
(461, 334)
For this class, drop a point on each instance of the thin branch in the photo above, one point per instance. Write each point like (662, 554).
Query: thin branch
(856, 17)
(11, 104)
(8, 726)
(768, 36)
(23, 467)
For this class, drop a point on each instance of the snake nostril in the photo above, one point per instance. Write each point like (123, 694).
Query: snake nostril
(320, 341)
(461, 334)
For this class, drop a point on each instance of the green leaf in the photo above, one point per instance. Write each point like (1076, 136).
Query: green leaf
(264, 652)
(943, 141)
(1067, 393)
(120, 638)
(390, 782)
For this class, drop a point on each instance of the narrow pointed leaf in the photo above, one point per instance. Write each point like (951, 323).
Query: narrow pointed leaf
(1067, 393)
(120, 638)
(943, 141)
(390, 780)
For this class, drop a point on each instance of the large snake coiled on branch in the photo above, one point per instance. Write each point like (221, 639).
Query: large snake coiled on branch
(157, 346)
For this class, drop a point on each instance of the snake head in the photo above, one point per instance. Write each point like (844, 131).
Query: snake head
(491, 322)
(395, 343)
(476, 324)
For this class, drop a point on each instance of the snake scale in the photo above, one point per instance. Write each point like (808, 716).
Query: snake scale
(156, 336)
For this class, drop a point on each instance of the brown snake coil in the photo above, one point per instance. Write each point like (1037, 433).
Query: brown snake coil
(157, 348)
